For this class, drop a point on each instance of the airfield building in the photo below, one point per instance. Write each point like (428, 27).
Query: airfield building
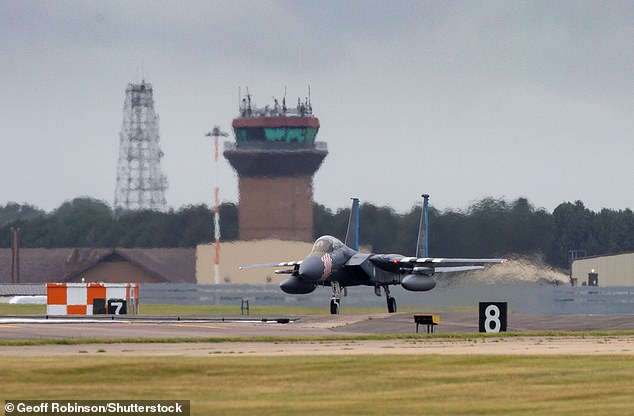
(610, 270)
(275, 155)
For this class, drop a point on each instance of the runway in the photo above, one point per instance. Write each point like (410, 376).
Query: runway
(30, 327)
(236, 327)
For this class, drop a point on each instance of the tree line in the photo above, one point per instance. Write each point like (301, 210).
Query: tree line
(489, 227)
(87, 222)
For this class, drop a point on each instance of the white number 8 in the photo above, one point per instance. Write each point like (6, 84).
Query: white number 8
(492, 322)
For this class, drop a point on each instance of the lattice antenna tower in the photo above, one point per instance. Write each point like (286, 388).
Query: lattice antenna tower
(140, 181)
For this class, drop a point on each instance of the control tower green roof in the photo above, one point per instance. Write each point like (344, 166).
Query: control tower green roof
(275, 141)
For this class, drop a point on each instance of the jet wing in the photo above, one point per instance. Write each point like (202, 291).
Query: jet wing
(446, 261)
(425, 265)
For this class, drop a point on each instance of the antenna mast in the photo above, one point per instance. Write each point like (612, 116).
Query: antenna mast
(216, 133)
(140, 181)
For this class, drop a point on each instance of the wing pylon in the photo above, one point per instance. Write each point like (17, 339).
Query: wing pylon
(282, 264)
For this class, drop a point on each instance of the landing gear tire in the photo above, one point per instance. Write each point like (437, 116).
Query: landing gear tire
(334, 306)
(391, 302)
(391, 305)
(335, 301)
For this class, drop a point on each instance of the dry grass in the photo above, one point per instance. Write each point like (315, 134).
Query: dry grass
(346, 385)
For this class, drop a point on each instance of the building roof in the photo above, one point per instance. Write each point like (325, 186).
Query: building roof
(22, 289)
(63, 264)
(37, 265)
(598, 256)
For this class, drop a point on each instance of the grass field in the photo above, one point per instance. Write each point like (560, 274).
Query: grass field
(12, 309)
(329, 385)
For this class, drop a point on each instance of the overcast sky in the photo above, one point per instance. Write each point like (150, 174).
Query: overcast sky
(460, 100)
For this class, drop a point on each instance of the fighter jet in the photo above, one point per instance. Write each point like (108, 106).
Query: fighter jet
(340, 265)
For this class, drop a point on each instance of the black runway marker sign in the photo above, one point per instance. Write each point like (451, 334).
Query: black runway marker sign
(493, 316)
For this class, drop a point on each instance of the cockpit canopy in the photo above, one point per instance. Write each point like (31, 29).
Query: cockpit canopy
(326, 244)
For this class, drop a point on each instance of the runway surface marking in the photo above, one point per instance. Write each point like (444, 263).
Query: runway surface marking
(197, 326)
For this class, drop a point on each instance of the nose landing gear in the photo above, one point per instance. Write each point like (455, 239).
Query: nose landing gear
(335, 302)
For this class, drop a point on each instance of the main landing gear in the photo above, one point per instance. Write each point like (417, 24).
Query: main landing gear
(391, 302)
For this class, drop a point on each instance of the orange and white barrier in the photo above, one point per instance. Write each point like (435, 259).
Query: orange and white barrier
(78, 298)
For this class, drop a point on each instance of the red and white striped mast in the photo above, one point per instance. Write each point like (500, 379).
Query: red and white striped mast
(216, 133)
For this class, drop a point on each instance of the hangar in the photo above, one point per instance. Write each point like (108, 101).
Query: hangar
(607, 270)
(123, 265)
(239, 253)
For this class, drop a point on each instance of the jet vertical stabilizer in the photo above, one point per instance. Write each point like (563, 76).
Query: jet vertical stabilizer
(352, 235)
(422, 245)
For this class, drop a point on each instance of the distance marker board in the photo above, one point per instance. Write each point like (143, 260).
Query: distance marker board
(493, 316)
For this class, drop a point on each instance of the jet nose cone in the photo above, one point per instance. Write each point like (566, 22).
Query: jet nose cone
(312, 268)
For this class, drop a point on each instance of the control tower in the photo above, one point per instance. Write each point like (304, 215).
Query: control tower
(276, 156)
